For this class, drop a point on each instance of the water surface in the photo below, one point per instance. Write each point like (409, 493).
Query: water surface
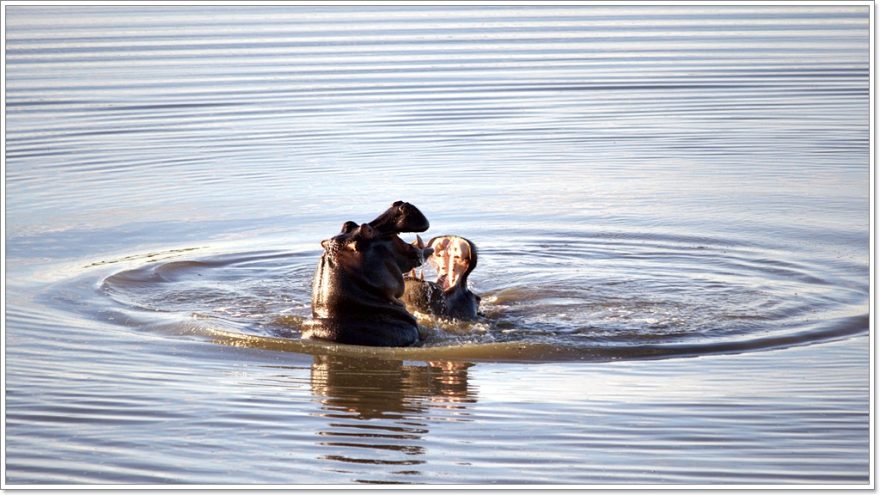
(671, 205)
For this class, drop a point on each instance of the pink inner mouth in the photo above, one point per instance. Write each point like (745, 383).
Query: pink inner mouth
(451, 260)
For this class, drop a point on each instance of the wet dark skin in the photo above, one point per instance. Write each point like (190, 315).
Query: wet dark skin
(359, 281)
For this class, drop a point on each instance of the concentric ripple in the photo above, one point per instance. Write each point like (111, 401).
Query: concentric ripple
(587, 297)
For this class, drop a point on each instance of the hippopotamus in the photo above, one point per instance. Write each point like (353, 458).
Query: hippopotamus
(454, 258)
(359, 281)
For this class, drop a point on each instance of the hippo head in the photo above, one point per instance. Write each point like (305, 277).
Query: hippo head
(375, 257)
(453, 258)
(359, 280)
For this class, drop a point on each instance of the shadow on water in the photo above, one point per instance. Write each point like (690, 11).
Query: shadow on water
(378, 411)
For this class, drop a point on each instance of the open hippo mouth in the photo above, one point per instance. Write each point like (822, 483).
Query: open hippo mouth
(453, 258)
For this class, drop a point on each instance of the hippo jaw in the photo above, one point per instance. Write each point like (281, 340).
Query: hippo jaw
(400, 217)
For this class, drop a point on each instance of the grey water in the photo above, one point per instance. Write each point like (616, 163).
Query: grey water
(671, 206)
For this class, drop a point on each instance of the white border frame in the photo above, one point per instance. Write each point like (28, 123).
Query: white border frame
(872, 431)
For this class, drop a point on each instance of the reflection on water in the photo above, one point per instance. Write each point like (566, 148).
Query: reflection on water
(379, 410)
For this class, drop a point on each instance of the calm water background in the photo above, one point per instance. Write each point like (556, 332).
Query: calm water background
(672, 207)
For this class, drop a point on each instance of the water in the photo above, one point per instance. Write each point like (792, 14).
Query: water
(671, 206)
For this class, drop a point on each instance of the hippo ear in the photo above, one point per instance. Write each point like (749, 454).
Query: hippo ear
(365, 231)
(348, 227)
(360, 237)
